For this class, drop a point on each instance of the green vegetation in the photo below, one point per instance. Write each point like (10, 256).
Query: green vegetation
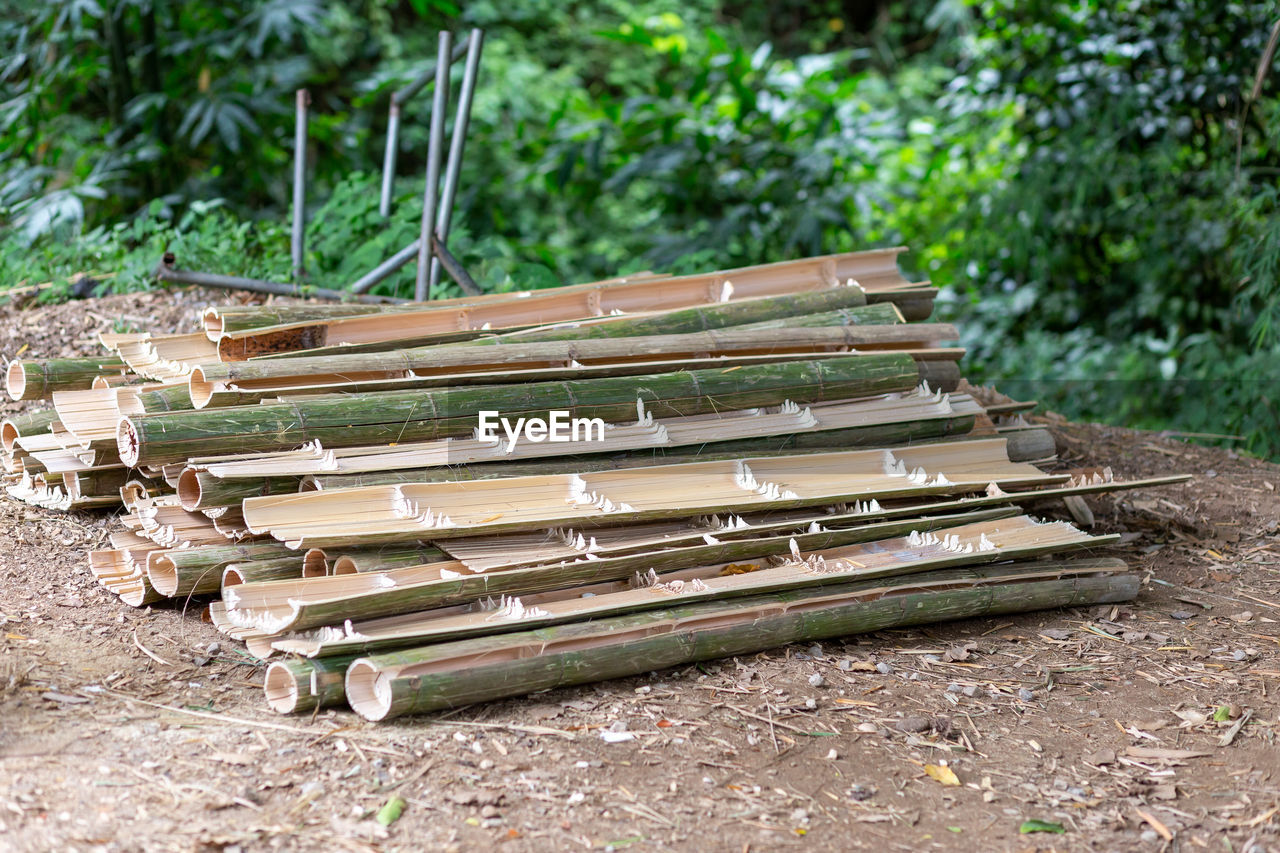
(1096, 184)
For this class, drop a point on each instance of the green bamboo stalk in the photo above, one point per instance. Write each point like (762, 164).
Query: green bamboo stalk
(200, 490)
(878, 435)
(915, 304)
(175, 398)
(505, 352)
(425, 595)
(348, 561)
(196, 571)
(252, 571)
(105, 482)
(702, 318)
(400, 416)
(225, 319)
(208, 395)
(295, 686)
(449, 675)
(883, 314)
(38, 379)
(26, 424)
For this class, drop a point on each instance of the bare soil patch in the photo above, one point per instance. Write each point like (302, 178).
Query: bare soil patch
(133, 730)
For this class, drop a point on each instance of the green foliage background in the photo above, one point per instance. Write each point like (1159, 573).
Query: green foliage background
(1096, 185)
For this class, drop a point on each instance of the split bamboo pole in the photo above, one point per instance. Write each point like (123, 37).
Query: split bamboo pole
(253, 571)
(875, 271)
(704, 318)
(278, 607)
(295, 686)
(199, 490)
(196, 571)
(450, 675)
(24, 425)
(36, 380)
(392, 417)
(502, 353)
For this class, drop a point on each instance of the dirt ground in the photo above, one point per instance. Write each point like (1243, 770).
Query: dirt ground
(146, 730)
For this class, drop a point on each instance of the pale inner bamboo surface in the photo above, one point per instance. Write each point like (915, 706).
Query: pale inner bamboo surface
(469, 507)
(275, 606)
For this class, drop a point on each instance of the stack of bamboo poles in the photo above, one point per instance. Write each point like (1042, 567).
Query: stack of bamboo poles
(780, 453)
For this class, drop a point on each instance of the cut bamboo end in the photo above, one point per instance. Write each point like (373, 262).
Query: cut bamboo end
(200, 389)
(315, 563)
(344, 565)
(189, 489)
(128, 445)
(288, 687)
(15, 381)
(232, 576)
(8, 435)
(368, 691)
(162, 573)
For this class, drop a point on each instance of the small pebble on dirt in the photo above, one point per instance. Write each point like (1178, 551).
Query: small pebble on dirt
(884, 668)
(816, 680)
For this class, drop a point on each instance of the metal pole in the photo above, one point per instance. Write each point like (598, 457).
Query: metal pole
(455, 269)
(164, 271)
(387, 267)
(439, 104)
(389, 159)
(456, 143)
(398, 100)
(299, 181)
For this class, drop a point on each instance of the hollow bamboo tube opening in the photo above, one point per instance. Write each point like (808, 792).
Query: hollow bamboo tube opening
(315, 564)
(163, 574)
(15, 381)
(200, 389)
(368, 694)
(344, 565)
(231, 576)
(127, 442)
(8, 435)
(189, 490)
(283, 692)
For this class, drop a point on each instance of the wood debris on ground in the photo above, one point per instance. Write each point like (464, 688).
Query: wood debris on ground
(770, 454)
